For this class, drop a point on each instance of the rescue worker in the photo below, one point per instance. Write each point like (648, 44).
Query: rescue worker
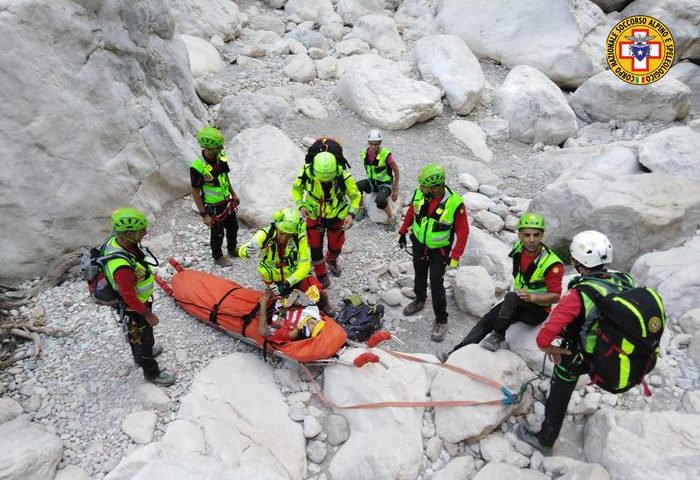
(382, 174)
(435, 216)
(130, 276)
(537, 272)
(213, 194)
(285, 257)
(327, 198)
(326, 144)
(590, 251)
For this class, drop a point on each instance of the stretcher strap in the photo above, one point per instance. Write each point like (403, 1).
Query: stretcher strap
(215, 309)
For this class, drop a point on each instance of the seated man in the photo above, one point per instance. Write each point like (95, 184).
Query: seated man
(537, 272)
(294, 317)
(382, 174)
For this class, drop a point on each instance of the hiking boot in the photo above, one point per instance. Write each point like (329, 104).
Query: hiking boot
(334, 268)
(414, 307)
(439, 332)
(492, 341)
(325, 281)
(442, 356)
(524, 434)
(163, 379)
(223, 261)
(233, 253)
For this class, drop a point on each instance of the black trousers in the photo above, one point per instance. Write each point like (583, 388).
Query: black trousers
(431, 262)
(502, 315)
(561, 388)
(229, 226)
(141, 341)
(383, 191)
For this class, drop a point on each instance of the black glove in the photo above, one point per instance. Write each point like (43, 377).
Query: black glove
(402, 240)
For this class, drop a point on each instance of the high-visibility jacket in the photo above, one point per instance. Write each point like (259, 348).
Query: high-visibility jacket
(293, 265)
(211, 193)
(344, 197)
(437, 229)
(533, 280)
(606, 283)
(145, 281)
(380, 170)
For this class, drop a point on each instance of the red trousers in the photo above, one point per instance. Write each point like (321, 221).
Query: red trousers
(315, 231)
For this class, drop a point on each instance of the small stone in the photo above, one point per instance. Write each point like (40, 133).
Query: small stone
(302, 397)
(391, 297)
(337, 429)
(433, 447)
(139, 426)
(408, 292)
(288, 379)
(298, 411)
(316, 451)
(469, 182)
(312, 427)
(488, 190)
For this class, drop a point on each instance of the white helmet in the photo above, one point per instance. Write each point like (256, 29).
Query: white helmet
(591, 248)
(374, 135)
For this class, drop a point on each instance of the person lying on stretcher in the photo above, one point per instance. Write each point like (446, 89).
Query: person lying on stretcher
(294, 317)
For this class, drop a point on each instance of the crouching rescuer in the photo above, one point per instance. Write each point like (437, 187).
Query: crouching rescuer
(129, 274)
(285, 257)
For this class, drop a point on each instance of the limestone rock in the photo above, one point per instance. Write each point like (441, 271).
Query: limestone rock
(140, 425)
(206, 18)
(204, 58)
(534, 107)
(474, 290)
(447, 62)
(251, 110)
(379, 31)
(673, 151)
(28, 451)
(300, 69)
(473, 137)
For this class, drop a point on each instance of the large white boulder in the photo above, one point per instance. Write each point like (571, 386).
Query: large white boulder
(656, 445)
(206, 18)
(613, 159)
(498, 470)
(379, 31)
(314, 10)
(473, 137)
(674, 273)
(28, 451)
(521, 340)
(535, 107)
(490, 253)
(416, 18)
(351, 10)
(474, 290)
(474, 422)
(384, 443)
(251, 110)
(114, 125)
(160, 461)
(682, 17)
(300, 68)
(605, 97)
(611, 5)
(674, 151)
(246, 421)
(567, 44)
(638, 212)
(689, 74)
(394, 105)
(204, 57)
(250, 167)
(446, 62)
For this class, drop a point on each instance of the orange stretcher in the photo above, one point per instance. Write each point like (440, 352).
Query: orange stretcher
(233, 309)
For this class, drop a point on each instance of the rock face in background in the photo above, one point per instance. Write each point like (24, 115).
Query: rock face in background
(120, 92)
(605, 97)
(284, 158)
(638, 212)
(567, 45)
(206, 18)
(674, 151)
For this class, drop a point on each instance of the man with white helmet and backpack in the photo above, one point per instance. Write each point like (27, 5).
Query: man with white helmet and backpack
(382, 174)
(609, 330)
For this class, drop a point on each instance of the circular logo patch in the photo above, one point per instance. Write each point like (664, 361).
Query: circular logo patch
(640, 50)
(654, 324)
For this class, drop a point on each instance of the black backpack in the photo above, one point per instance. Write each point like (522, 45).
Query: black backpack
(326, 144)
(360, 320)
(630, 324)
